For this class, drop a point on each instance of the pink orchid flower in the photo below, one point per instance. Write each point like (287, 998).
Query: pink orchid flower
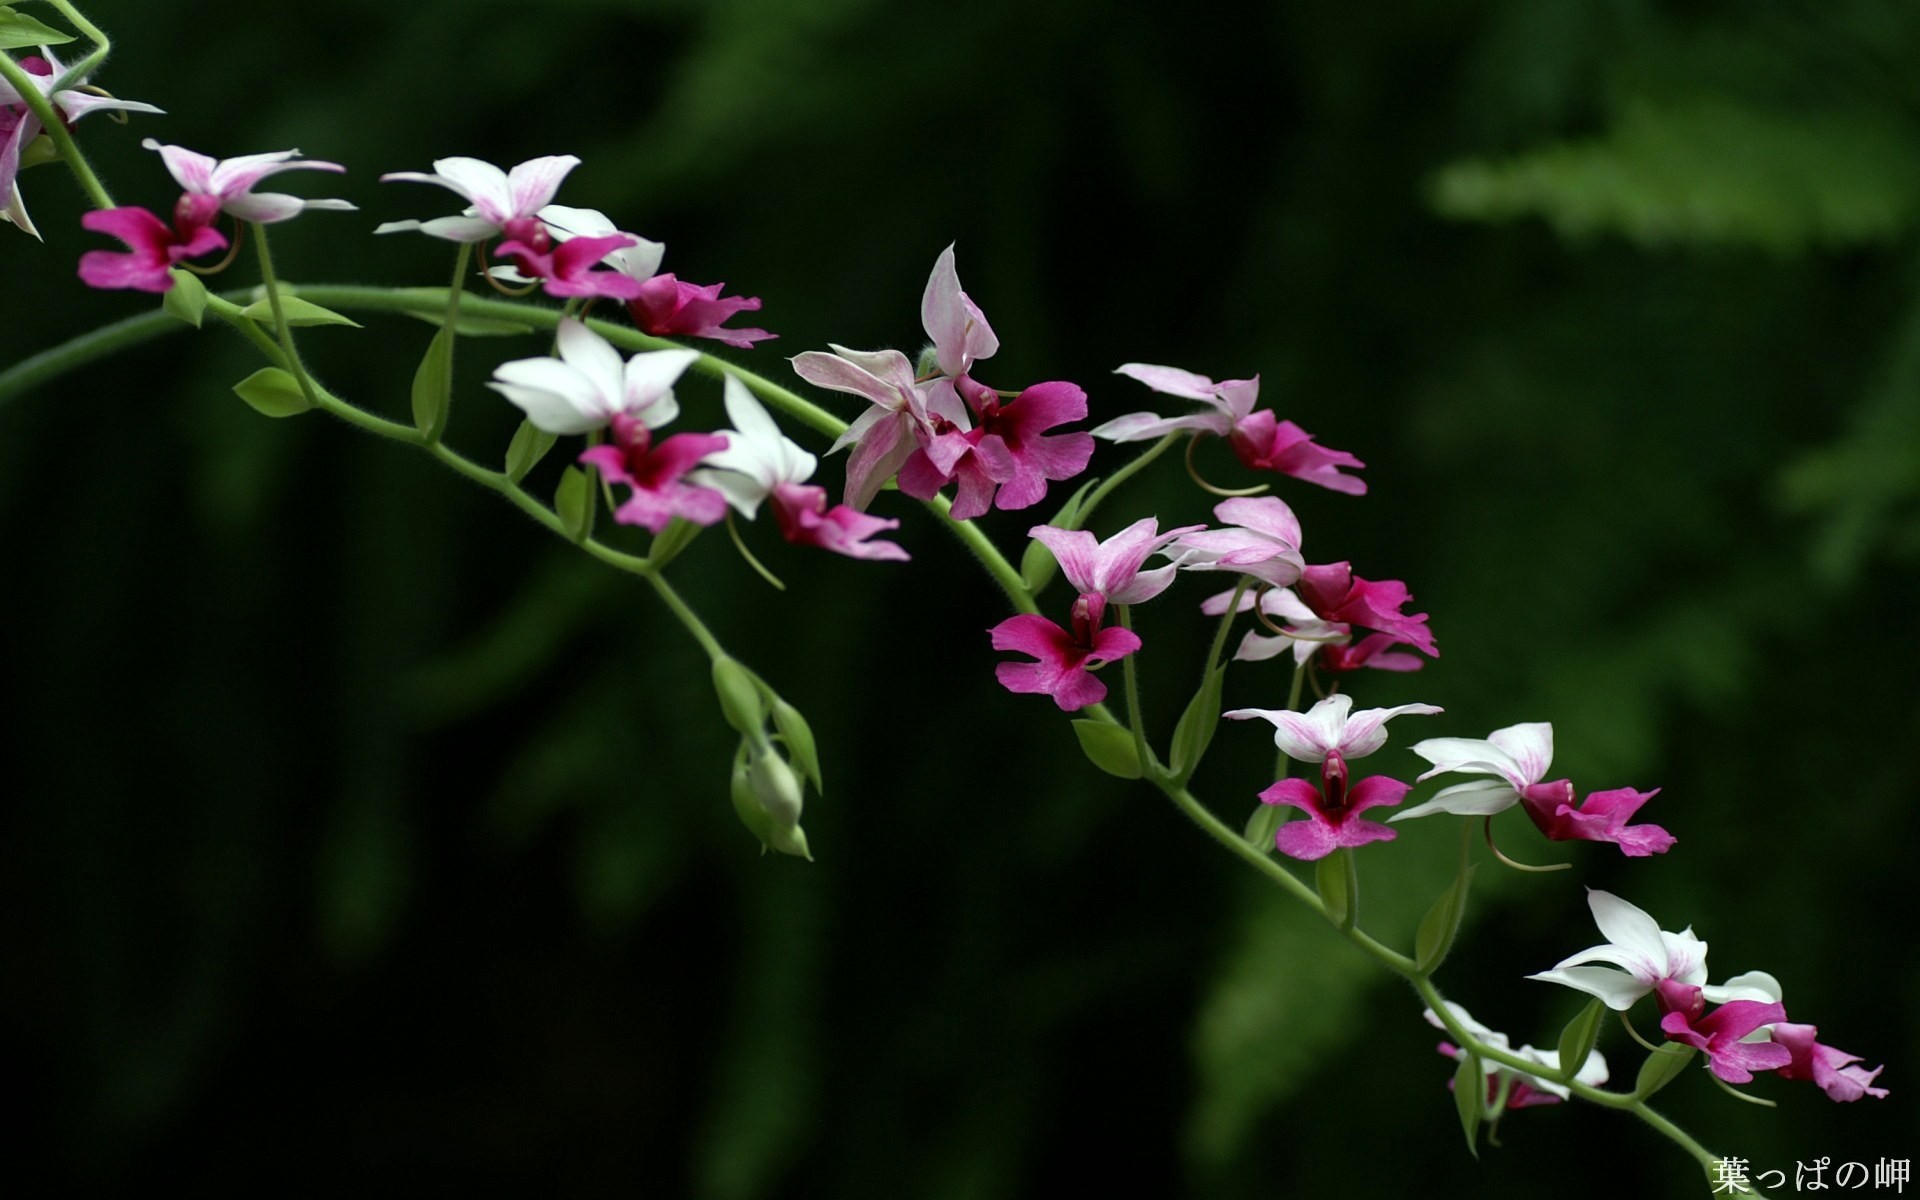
(1329, 644)
(1335, 810)
(1259, 439)
(495, 196)
(18, 125)
(226, 185)
(654, 475)
(666, 307)
(1721, 1035)
(1648, 957)
(1261, 541)
(1518, 758)
(760, 463)
(153, 248)
(1335, 593)
(1329, 727)
(565, 267)
(1007, 458)
(1065, 659)
(1826, 1066)
(1112, 568)
(899, 416)
(958, 328)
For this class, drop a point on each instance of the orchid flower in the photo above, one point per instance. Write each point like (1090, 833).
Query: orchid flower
(1335, 593)
(1335, 808)
(1723, 1035)
(495, 197)
(1527, 1090)
(226, 185)
(898, 418)
(1112, 568)
(1007, 458)
(1259, 439)
(1065, 659)
(654, 474)
(18, 125)
(958, 328)
(1647, 957)
(1262, 541)
(1826, 1066)
(587, 386)
(1328, 643)
(668, 307)
(1329, 727)
(760, 462)
(153, 248)
(1518, 756)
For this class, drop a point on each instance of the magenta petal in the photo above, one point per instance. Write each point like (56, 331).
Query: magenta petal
(805, 520)
(1113, 644)
(1308, 841)
(1375, 791)
(1293, 793)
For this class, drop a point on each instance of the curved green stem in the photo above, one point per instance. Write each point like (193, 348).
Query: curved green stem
(1107, 485)
(101, 45)
(1141, 750)
(56, 129)
(291, 362)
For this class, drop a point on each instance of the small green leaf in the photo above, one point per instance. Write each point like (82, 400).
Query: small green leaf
(1469, 1099)
(272, 392)
(1577, 1039)
(469, 326)
(1262, 824)
(1442, 922)
(1108, 747)
(187, 298)
(530, 444)
(1332, 879)
(19, 31)
(669, 542)
(1194, 733)
(432, 386)
(1660, 1069)
(798, 735)
(298, 312)
(573, 503)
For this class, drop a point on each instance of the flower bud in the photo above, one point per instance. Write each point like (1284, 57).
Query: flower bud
(777, 788)
(740, 700)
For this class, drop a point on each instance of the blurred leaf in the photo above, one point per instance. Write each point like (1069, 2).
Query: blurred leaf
(272, 392)
(187, 298)
(19, 31)
(1109, 747)
(297, 311)
(432, 381)
(471, 326)
(1708, 172)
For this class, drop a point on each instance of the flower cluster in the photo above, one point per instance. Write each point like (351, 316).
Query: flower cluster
(942, 426)
(1747, 1031)
(19, 127)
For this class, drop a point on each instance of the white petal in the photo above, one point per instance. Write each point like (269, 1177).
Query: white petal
(554, 396)
(1478, 799)
(1530, 746)
(1615, 989)
(1170, 381)
(1468, 756)
(650, 376)
(594, 357)
(1754, 985)
(1631, 931)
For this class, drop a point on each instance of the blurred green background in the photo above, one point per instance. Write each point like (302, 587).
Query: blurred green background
(355, 829)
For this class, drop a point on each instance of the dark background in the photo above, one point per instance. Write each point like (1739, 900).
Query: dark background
(356, 830)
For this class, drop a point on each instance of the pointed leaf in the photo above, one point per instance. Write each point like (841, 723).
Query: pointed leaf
(1332, 878)
(1578, 1038)
(669, 542)
(573, 504)
(1264, 822)
(272, 392)
(1469, 1090)
(19, 31)
(1194, 733)
(433, 386)
(297, 311)
(187, 298)
(1442, 922)
(1109, 747)
(530, 444)
(1660, 1069)
(798, 736)
(471, 326)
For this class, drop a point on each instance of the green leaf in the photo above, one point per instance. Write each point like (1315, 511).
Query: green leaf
(1442, 922)
(530, 444)
(1194, 732)
(1109, 747)
(1262, 824)
(1577, 1039)
(470, 326)
(272, 392)
(298, 312)
(669, 542)
(19, 31)
(798, 735)
(1660, 1069)
(1469, 1099)
(573, 503)
(1332, 879)
(186, 299)
(433, 386)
